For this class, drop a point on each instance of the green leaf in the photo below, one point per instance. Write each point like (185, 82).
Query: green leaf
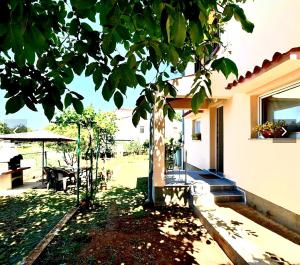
(49, 110)
(77, 104)
(196, 32)
(86, 4)
(131, 61)
(42, 63)
(73, 27)
(68, 100)
(67, 75)
(107, 90)
(150, 96)
(172, 90)
(97, 78)
(226, 66)
(141, 80)
(171, 114)
(144, 67)
(77, 95)
(108, 44)
(29, 54)
(136, 118)
(118, 99)
(78, 64)
(179, 30)
(227, 13)
(90, 68)
(198, 99)
(240, 16)
(173, 55)
(38, 38)
(238, 13)
(14, 104)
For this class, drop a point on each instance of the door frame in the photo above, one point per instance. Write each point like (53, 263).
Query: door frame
(219, 169)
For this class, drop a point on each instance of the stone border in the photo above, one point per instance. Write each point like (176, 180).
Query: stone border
(39, 248)
(231, 253)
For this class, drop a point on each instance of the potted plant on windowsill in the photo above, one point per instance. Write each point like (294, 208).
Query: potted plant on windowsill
(271, 129)
(196, 136)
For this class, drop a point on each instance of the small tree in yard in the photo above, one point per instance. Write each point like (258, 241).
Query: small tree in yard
(43, 44)
(98, 134)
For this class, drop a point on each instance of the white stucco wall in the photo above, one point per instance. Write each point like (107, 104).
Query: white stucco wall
(269, 170)
(198, 150)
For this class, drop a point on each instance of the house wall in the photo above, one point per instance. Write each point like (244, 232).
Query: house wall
(198, 150)
(269, 170)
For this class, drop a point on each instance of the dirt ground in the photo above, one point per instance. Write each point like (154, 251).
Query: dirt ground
(165, 236)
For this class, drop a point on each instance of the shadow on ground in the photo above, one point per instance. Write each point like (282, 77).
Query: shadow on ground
(26, 219)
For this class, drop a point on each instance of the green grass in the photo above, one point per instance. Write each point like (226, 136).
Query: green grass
(26, 219)
(128, 198)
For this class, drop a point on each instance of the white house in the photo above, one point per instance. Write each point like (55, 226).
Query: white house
(267, 171)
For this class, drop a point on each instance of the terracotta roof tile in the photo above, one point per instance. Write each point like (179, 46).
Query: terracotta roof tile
(276, 59)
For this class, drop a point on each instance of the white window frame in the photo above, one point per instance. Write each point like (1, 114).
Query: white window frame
(270, 93)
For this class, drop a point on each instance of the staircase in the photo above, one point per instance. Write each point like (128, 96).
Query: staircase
(226, 193)
(210, 189)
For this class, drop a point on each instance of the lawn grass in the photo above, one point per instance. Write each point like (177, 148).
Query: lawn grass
(26, 219)
(127, 190)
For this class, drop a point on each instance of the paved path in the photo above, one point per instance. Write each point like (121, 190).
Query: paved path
(247, 242)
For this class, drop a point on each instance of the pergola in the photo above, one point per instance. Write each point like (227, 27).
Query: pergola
(36, 136)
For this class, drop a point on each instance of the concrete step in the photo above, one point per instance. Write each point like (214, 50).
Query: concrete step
(228, 196)
(222, 187)
(245, 241)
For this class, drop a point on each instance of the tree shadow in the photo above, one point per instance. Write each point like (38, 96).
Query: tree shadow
(26, 219)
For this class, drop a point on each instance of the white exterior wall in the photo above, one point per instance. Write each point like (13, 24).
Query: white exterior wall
(266, 169)
(269, 170)
(198, 150)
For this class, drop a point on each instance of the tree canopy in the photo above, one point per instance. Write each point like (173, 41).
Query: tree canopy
(98, 131)
(44, 43)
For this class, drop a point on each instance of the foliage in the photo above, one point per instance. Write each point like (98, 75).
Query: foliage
(116, 43)
(26, 219)
(99, 127)
(5, 129)
(135, 148)
(171, 148)
(271, 129)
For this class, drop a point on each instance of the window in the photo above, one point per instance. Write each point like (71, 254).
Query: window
(283, 105)
(196, 135)
(142, 129)
(197, 126)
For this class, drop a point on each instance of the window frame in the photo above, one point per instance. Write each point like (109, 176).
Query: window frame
(142, 127)
(271, 93)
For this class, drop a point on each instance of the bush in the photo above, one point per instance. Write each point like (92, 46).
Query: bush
(135, 148)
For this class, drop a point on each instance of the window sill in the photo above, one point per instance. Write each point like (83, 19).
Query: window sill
(277, 140)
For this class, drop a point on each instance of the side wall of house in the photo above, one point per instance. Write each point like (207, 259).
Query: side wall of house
(198, 150)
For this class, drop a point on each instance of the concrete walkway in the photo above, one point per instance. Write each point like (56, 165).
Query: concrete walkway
(178, 177)
(27, 185)
(245, 241)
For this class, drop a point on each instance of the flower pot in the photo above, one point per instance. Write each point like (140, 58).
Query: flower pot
(267, 134)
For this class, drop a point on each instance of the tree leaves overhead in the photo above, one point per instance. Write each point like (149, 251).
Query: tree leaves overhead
(115, 43)
(198, 99)
(226, 66)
